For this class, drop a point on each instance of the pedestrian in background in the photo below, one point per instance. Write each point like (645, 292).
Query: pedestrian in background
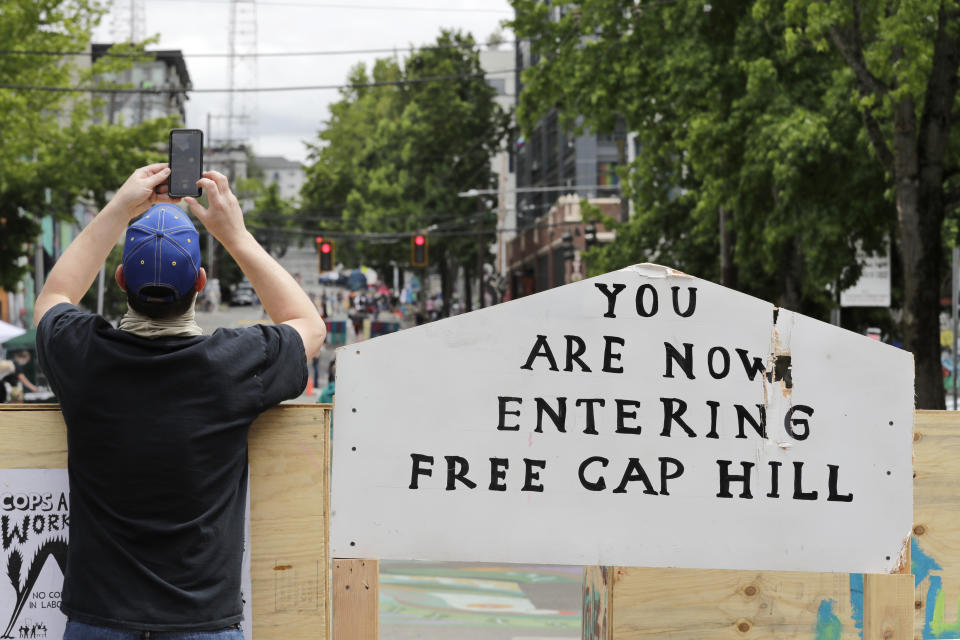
(20, 361)
(157, 414)
(326, 396)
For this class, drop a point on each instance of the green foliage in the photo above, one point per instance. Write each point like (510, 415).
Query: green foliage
(392, 159)
(729, 117)
(270, 216)
(48, 143)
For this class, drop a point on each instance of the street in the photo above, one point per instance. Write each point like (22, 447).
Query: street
(447, 601)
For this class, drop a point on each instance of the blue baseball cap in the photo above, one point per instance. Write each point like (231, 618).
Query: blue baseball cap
(161, 255)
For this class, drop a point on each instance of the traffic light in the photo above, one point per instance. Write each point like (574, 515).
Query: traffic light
(325, 250)
(418, 250)
(590, 235)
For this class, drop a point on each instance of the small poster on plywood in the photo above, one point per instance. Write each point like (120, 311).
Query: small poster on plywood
(34, 537)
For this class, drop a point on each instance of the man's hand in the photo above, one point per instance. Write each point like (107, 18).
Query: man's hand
(223, 217)
(144, 188)
(281, 296)
(74, 272)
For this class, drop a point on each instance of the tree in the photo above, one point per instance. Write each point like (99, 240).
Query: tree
(345, 152)
(741, 118)
(398, 155)
(904, 58)
(51, 154)
(270, 219)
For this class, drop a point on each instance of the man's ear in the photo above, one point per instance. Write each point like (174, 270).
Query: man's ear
(201, 280)
(118, 276)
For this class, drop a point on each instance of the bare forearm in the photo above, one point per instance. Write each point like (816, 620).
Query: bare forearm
(74, 272)
(281, 296)
(26, 382)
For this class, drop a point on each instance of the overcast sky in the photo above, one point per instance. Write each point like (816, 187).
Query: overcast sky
(284, 120)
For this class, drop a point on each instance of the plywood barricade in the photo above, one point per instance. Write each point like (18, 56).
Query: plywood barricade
(292, 590)
(632, 602)
(289, 507)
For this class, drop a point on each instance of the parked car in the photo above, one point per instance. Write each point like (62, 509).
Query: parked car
(243, 294)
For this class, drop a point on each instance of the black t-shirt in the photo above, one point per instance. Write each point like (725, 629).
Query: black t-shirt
(157, 444)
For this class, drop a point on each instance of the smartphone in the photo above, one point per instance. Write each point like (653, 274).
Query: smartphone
(186, 162)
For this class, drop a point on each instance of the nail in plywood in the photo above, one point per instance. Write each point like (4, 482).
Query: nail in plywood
(288, 507)
(356, 599)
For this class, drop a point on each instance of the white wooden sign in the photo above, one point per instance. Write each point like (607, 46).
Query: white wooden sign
(34, 536)
(643, 418)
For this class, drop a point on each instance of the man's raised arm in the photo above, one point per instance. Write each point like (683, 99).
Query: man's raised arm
(283, 299)
(74, 272)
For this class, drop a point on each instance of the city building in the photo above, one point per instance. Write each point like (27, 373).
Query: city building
(554, 169)
(536, 259)
(288, 175)
(497, 63)
(551, 158)
(166, 77)
(233, 161)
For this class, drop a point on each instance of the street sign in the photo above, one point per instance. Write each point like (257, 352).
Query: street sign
(643, 417)
(873, 287)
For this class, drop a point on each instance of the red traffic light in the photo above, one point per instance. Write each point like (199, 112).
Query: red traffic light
(325, 248)
(319, 239)
(418, 251)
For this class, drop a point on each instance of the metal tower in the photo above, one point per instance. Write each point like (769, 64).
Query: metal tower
(129, 21)
(241, 106)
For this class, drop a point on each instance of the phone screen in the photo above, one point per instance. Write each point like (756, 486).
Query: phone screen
(186, 162)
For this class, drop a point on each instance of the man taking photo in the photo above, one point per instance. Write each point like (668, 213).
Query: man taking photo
(157, 414)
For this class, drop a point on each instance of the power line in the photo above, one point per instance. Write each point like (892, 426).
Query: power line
(323, 87)
(362, 7)
(401, 235)
(273, 54)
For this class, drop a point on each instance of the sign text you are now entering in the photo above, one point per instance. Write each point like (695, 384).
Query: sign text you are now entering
(642, 417)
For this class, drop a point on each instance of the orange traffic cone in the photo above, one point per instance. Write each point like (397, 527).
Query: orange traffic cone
(309, 386)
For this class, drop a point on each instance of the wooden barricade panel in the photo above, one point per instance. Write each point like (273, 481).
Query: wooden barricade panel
(597, 591)
(935, 549)
(690, 604)
(289, 506)
(356, 599)
(632, 602)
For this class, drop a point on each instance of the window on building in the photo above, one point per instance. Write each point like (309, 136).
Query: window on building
(499, 85)
(607, 174)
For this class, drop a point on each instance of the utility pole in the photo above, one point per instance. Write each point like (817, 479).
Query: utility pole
(728, 270)
(211, 270)
(101, 277)
(620, 135)
(480, 248)
(955, 300)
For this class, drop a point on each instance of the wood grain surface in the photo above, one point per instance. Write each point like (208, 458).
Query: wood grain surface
(356, 599)
(688, 604)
